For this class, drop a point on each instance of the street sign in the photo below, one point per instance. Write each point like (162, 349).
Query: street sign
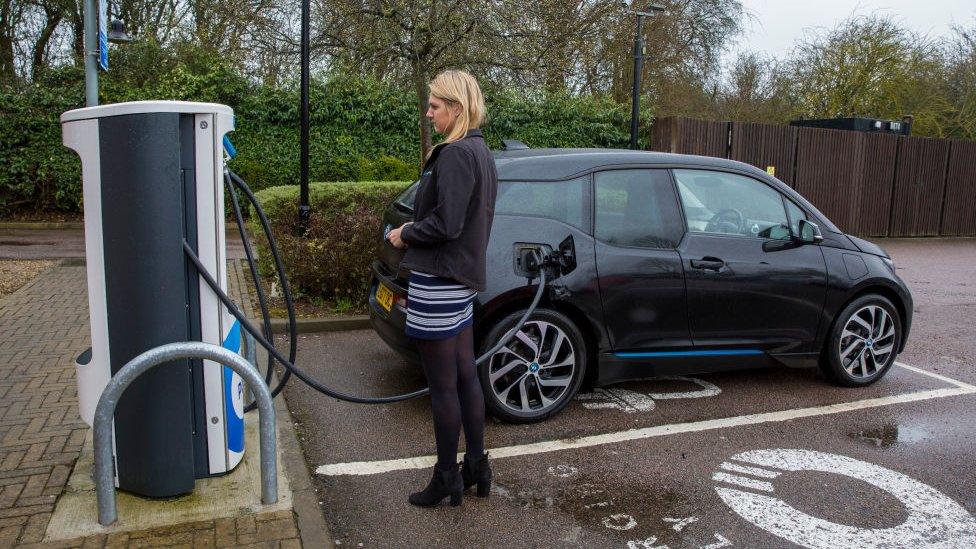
(103, 34)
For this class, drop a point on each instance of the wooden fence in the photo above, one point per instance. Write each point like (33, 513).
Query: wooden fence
(868, 184)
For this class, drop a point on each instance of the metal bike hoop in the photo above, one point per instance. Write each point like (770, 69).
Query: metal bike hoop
(105, 413)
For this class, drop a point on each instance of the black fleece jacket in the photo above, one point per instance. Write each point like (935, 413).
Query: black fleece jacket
(453, 212)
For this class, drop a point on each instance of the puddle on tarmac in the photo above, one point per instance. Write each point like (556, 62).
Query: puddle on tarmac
(887, 435)
(607, 509)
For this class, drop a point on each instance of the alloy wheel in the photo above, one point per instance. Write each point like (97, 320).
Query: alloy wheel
(532, 373)
(867, 342)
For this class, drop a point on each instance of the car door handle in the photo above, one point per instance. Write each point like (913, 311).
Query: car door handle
(708, 264)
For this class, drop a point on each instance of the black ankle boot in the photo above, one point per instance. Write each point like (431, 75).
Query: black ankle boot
(476, 470)
(444, 483)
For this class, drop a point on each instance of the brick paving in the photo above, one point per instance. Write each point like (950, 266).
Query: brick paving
(271, 530)
(44, 326)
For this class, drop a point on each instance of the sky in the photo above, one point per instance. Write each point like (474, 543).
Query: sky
(777, 25)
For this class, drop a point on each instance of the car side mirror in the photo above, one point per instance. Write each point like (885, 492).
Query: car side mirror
(809, 232)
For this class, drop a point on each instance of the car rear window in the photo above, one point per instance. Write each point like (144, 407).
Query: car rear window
(560, 200)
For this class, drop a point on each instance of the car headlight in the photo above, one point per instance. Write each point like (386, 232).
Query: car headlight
(889, 263)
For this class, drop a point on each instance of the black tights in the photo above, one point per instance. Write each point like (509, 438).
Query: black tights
(455, 395)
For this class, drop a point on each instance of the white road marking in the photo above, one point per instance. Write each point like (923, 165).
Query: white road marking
(633, 402)
(562, 471)
(934, 519)
(754, 471)
(425, 462)
(680, 523)
(934, 375)
(606, 406)
(743, 481)
(621, 399)
(619, 521)
(707, 389)
(647, 543)
(722, 542)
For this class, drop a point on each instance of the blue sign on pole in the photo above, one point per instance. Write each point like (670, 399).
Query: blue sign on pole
(103, 34)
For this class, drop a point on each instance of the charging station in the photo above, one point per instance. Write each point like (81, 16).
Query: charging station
(152, 174)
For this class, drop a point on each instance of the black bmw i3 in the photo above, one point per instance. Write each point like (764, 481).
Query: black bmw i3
(683, 264)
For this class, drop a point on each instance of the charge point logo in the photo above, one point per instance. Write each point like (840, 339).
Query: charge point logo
(238, 395)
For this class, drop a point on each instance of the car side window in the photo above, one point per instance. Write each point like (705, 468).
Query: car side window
(636, 208)
(561, 200)
(796, 214)
(725, 203)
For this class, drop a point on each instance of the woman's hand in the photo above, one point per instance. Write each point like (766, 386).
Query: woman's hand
(394, 236)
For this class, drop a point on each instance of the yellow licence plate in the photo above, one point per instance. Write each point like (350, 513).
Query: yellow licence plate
(384, 296)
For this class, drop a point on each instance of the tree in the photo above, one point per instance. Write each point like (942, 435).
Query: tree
(961, 82)
(412, 40)
(11, 17)
(870, 66)
(755, 90)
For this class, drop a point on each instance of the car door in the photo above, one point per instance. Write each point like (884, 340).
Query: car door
(637, 227)
(751, 286)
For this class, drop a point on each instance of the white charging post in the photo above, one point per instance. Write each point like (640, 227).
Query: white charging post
(152, 173)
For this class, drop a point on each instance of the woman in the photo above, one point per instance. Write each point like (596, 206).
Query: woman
(446, 244)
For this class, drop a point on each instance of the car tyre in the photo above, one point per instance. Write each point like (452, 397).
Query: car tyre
(536, 375)
(863, 342)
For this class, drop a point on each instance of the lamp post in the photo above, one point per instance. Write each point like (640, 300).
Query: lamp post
(115, 34)
(91, 52)
(304, 209)
(638, 67)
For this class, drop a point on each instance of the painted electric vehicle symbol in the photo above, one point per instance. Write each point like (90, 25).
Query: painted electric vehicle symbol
(633, 401)
(934, 519)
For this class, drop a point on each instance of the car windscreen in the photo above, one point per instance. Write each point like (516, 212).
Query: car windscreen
(405, 200)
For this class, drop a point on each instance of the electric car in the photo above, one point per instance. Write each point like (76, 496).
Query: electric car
(673, 264)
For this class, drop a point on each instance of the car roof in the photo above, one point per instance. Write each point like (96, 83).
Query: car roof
(558, 164)
(555, 164)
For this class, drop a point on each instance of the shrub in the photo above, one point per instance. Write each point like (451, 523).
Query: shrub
(332, 262)
(37, 170)
(386, 168)
(360, 129)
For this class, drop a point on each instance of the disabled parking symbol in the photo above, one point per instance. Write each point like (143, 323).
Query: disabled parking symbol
(934, 519)
(633, 401)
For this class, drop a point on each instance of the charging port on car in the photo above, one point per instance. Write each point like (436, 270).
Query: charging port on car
(526, 258)
(530, 257)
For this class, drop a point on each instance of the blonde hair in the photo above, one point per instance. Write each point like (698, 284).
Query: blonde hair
(460, 88)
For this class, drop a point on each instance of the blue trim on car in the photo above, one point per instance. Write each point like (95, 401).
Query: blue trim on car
(670, 354)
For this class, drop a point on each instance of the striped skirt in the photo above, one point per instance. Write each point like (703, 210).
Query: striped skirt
(437, 308)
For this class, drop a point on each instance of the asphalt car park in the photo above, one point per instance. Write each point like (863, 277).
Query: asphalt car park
(773, 457)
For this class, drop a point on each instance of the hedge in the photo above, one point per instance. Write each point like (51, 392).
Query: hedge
(361, 129)
(332, 262)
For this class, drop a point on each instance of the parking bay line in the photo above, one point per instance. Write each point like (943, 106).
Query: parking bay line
(425, 462)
